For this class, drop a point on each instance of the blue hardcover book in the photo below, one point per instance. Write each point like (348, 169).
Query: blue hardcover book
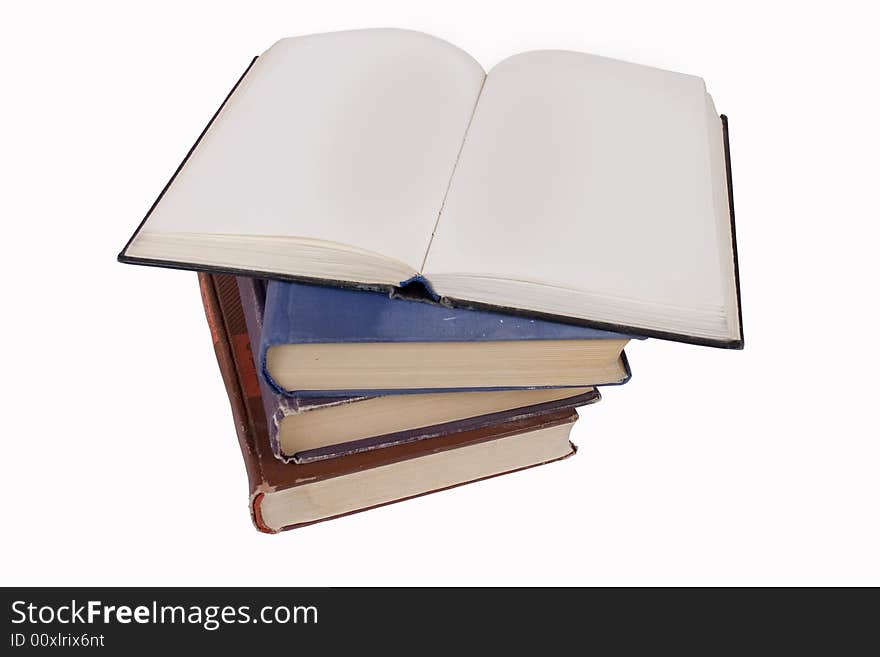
(305, 430)
(319, 341)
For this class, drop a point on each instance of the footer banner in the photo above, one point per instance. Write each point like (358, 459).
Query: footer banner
(121, 620)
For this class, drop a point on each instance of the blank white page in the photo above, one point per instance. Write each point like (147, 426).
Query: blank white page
(589, 174)
(347, 137)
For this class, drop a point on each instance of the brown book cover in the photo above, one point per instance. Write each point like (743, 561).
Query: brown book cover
(266, 474)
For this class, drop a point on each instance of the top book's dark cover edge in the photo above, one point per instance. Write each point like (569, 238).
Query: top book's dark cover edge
(122, 257)
(450, 301)
(728, 170)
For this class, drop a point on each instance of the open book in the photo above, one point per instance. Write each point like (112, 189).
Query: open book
(559, 185)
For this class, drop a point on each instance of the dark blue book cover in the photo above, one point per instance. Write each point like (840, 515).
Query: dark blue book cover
(252, 298)
(299, 313)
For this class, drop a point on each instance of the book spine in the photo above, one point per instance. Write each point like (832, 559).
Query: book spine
(252, 292)
(240, 393)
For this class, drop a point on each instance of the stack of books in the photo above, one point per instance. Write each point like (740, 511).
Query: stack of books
(345, 400)
(414, 271)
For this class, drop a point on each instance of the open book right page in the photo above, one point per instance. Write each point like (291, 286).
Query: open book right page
(592, 188)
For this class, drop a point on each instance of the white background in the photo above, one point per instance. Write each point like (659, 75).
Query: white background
(119, 460)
